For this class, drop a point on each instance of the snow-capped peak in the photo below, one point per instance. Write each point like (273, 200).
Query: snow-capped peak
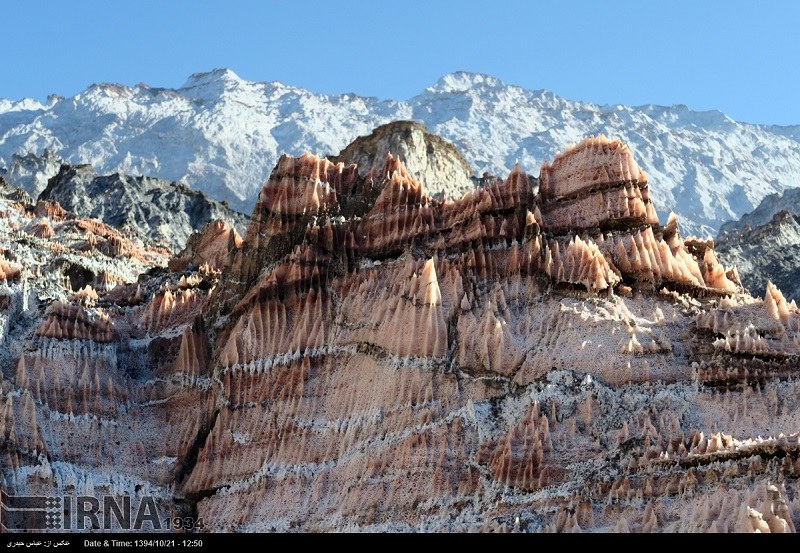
(212, 83)
(26, 104)
(461, 81)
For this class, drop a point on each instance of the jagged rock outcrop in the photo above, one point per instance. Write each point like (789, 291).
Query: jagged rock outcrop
(765, 212)
(765, 244)
(428, 158)
(211, 247)
(165, 212)
(372, 358)
(14, 194)
(31, 172)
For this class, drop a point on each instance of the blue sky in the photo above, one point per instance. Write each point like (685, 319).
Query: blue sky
(740, 57)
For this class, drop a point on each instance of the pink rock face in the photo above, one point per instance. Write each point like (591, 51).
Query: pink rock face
(170, 309)
(50, 210)
(212, 247)
(623, 206)
(41, 230)
(579, 262)
(9, 271)
(74, 322)
(390, 324)
(370, 358)
(298, 187)
(592, 164)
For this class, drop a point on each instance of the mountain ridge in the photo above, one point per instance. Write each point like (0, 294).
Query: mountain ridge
(164, 212)
(765, 244)
(222, 134)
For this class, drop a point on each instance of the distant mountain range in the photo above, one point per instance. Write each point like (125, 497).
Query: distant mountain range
(222, 135)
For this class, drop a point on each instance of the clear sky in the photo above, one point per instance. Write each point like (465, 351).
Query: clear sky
(740, 57)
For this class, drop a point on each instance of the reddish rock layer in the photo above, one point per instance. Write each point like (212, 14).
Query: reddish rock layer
(211, 246)
(74, 322)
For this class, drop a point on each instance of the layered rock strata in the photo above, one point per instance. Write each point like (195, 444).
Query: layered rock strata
(371, 358)
(389, 363)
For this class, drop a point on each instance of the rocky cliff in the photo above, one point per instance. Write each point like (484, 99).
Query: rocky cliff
(30, 171)
(765, 244)
(165, 212)
(372, 358)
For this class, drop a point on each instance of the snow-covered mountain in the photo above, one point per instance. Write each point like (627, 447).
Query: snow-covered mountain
(222, 134)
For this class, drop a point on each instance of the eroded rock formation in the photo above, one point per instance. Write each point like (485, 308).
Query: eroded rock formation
(372, 358)
(211, 247)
